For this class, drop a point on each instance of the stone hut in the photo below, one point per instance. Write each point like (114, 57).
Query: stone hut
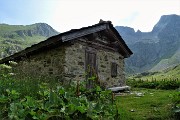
(96, 50)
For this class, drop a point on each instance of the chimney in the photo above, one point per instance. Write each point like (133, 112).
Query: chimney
(102, 21)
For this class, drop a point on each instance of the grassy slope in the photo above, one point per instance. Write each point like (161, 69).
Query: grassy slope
(154, 105)
(165, 63)
(10, 30)
(5, 28)
(170, 73)
(16, 42)
(22, 43)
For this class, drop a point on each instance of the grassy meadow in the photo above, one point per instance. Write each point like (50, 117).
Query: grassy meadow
(147, 104)
(46, 99)
(154, 96)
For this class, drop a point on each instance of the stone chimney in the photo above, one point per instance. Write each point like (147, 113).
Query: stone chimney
(102, 21)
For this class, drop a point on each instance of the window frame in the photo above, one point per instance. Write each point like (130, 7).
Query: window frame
(114, 66)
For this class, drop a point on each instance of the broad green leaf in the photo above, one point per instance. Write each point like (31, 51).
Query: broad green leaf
(3, 99)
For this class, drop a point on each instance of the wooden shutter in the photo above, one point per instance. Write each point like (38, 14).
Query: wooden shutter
(113, 69)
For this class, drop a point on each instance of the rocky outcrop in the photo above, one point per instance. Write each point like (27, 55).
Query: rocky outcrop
(150, 48)
(41, 29)
(45, 30)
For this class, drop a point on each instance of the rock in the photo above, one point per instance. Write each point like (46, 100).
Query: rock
(139, 94)
(132, 110)
(117, 89)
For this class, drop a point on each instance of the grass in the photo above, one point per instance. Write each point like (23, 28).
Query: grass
(5, 28)
(14, 38)
(10, 44)
(153, 105)
(170, 73)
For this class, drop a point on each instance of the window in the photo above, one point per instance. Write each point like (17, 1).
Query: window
(113, 69)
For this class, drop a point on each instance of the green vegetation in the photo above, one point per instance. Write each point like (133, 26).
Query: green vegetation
(166, 79)
(45, 99)
(149, 104)
(5, 28)
(17, 43)
(154, 96)
(168, 74)
(154, 84)
(14, 38)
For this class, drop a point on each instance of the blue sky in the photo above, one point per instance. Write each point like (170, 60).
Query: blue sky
(64, 15)
(23, 11)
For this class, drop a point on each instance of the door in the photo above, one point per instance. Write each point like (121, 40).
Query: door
(91, 68)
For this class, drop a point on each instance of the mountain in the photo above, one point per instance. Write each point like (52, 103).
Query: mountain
(155, 50)
(14, 38)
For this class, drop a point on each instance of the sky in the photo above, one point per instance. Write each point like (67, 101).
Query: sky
(64, 15)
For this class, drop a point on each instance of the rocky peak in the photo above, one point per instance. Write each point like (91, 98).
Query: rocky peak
(125, 30)
(45, 30)
(150, 48)
(165, 21)
(41, 29)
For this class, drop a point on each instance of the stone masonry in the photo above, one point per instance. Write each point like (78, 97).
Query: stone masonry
(69, 62)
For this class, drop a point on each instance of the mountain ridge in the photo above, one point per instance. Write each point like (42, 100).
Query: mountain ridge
(14, 38)
(151, 48)
(39, 28)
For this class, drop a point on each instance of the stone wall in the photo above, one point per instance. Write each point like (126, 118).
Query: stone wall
(47, 63)
(75, 62)
(68, 63)
(75, 65)
(105, 60)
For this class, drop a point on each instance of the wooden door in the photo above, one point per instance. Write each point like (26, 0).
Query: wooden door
(90, 66)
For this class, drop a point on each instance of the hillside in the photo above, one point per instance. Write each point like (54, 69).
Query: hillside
(14, 38)
(155, 50)
(172, 73)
